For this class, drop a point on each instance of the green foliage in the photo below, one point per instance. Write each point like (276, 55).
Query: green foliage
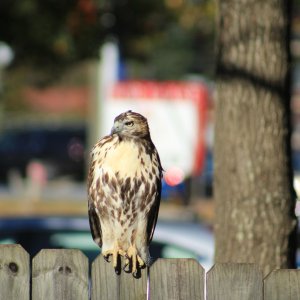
(164, 38)
(48, 31)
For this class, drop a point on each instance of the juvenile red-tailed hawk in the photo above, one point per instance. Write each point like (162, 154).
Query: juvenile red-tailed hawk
(124, 187)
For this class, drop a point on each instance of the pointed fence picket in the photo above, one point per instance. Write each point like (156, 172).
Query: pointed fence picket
(176, 279)
(60, 274)
(56, 274)
(14, 273)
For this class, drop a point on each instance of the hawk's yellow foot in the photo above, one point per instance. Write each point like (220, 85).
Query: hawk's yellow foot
(115, 252)
(136, 260)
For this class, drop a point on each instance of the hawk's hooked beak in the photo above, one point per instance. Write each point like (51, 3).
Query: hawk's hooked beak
(116, 128)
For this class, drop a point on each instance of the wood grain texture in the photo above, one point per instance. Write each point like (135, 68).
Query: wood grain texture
(282, 284)
(107, 285)
(59, 274)
(176, 279)
(14, 273)
(234, 282)
(63, 274)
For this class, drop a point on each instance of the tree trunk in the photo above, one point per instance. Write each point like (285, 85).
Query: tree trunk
(253, 188)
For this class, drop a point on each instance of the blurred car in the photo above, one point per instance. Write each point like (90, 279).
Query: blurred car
(59, 149)
(184, 239)
(171, 239)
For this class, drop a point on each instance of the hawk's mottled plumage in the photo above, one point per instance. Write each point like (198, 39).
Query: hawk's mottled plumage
(124, 186)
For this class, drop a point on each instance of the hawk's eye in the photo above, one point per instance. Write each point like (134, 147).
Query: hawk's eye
(129, 123)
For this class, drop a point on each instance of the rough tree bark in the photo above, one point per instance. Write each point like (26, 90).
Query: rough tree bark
(253, 189)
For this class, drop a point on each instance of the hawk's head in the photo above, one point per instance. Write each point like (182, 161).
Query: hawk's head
(130, 124)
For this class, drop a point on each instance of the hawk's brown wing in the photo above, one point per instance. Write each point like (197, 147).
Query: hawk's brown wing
(153, 213)
(94, 220)
(95, 224)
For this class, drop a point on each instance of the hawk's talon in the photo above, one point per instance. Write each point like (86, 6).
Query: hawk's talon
(115, 252)
(136, 260)
(126, 268)
(140, 261)
(106, 257)
(135, 274)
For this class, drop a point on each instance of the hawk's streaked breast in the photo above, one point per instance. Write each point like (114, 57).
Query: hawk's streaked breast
(127, 158)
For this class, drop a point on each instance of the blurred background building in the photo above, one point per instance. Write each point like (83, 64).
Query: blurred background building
(56, 88)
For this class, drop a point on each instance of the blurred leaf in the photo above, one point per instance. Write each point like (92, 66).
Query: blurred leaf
(167, 37)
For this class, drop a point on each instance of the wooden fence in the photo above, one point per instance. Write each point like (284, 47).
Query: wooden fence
(64, 274)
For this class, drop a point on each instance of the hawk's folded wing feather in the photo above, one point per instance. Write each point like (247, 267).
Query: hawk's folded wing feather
(153, 213)
(95, 224)
(94, 220)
